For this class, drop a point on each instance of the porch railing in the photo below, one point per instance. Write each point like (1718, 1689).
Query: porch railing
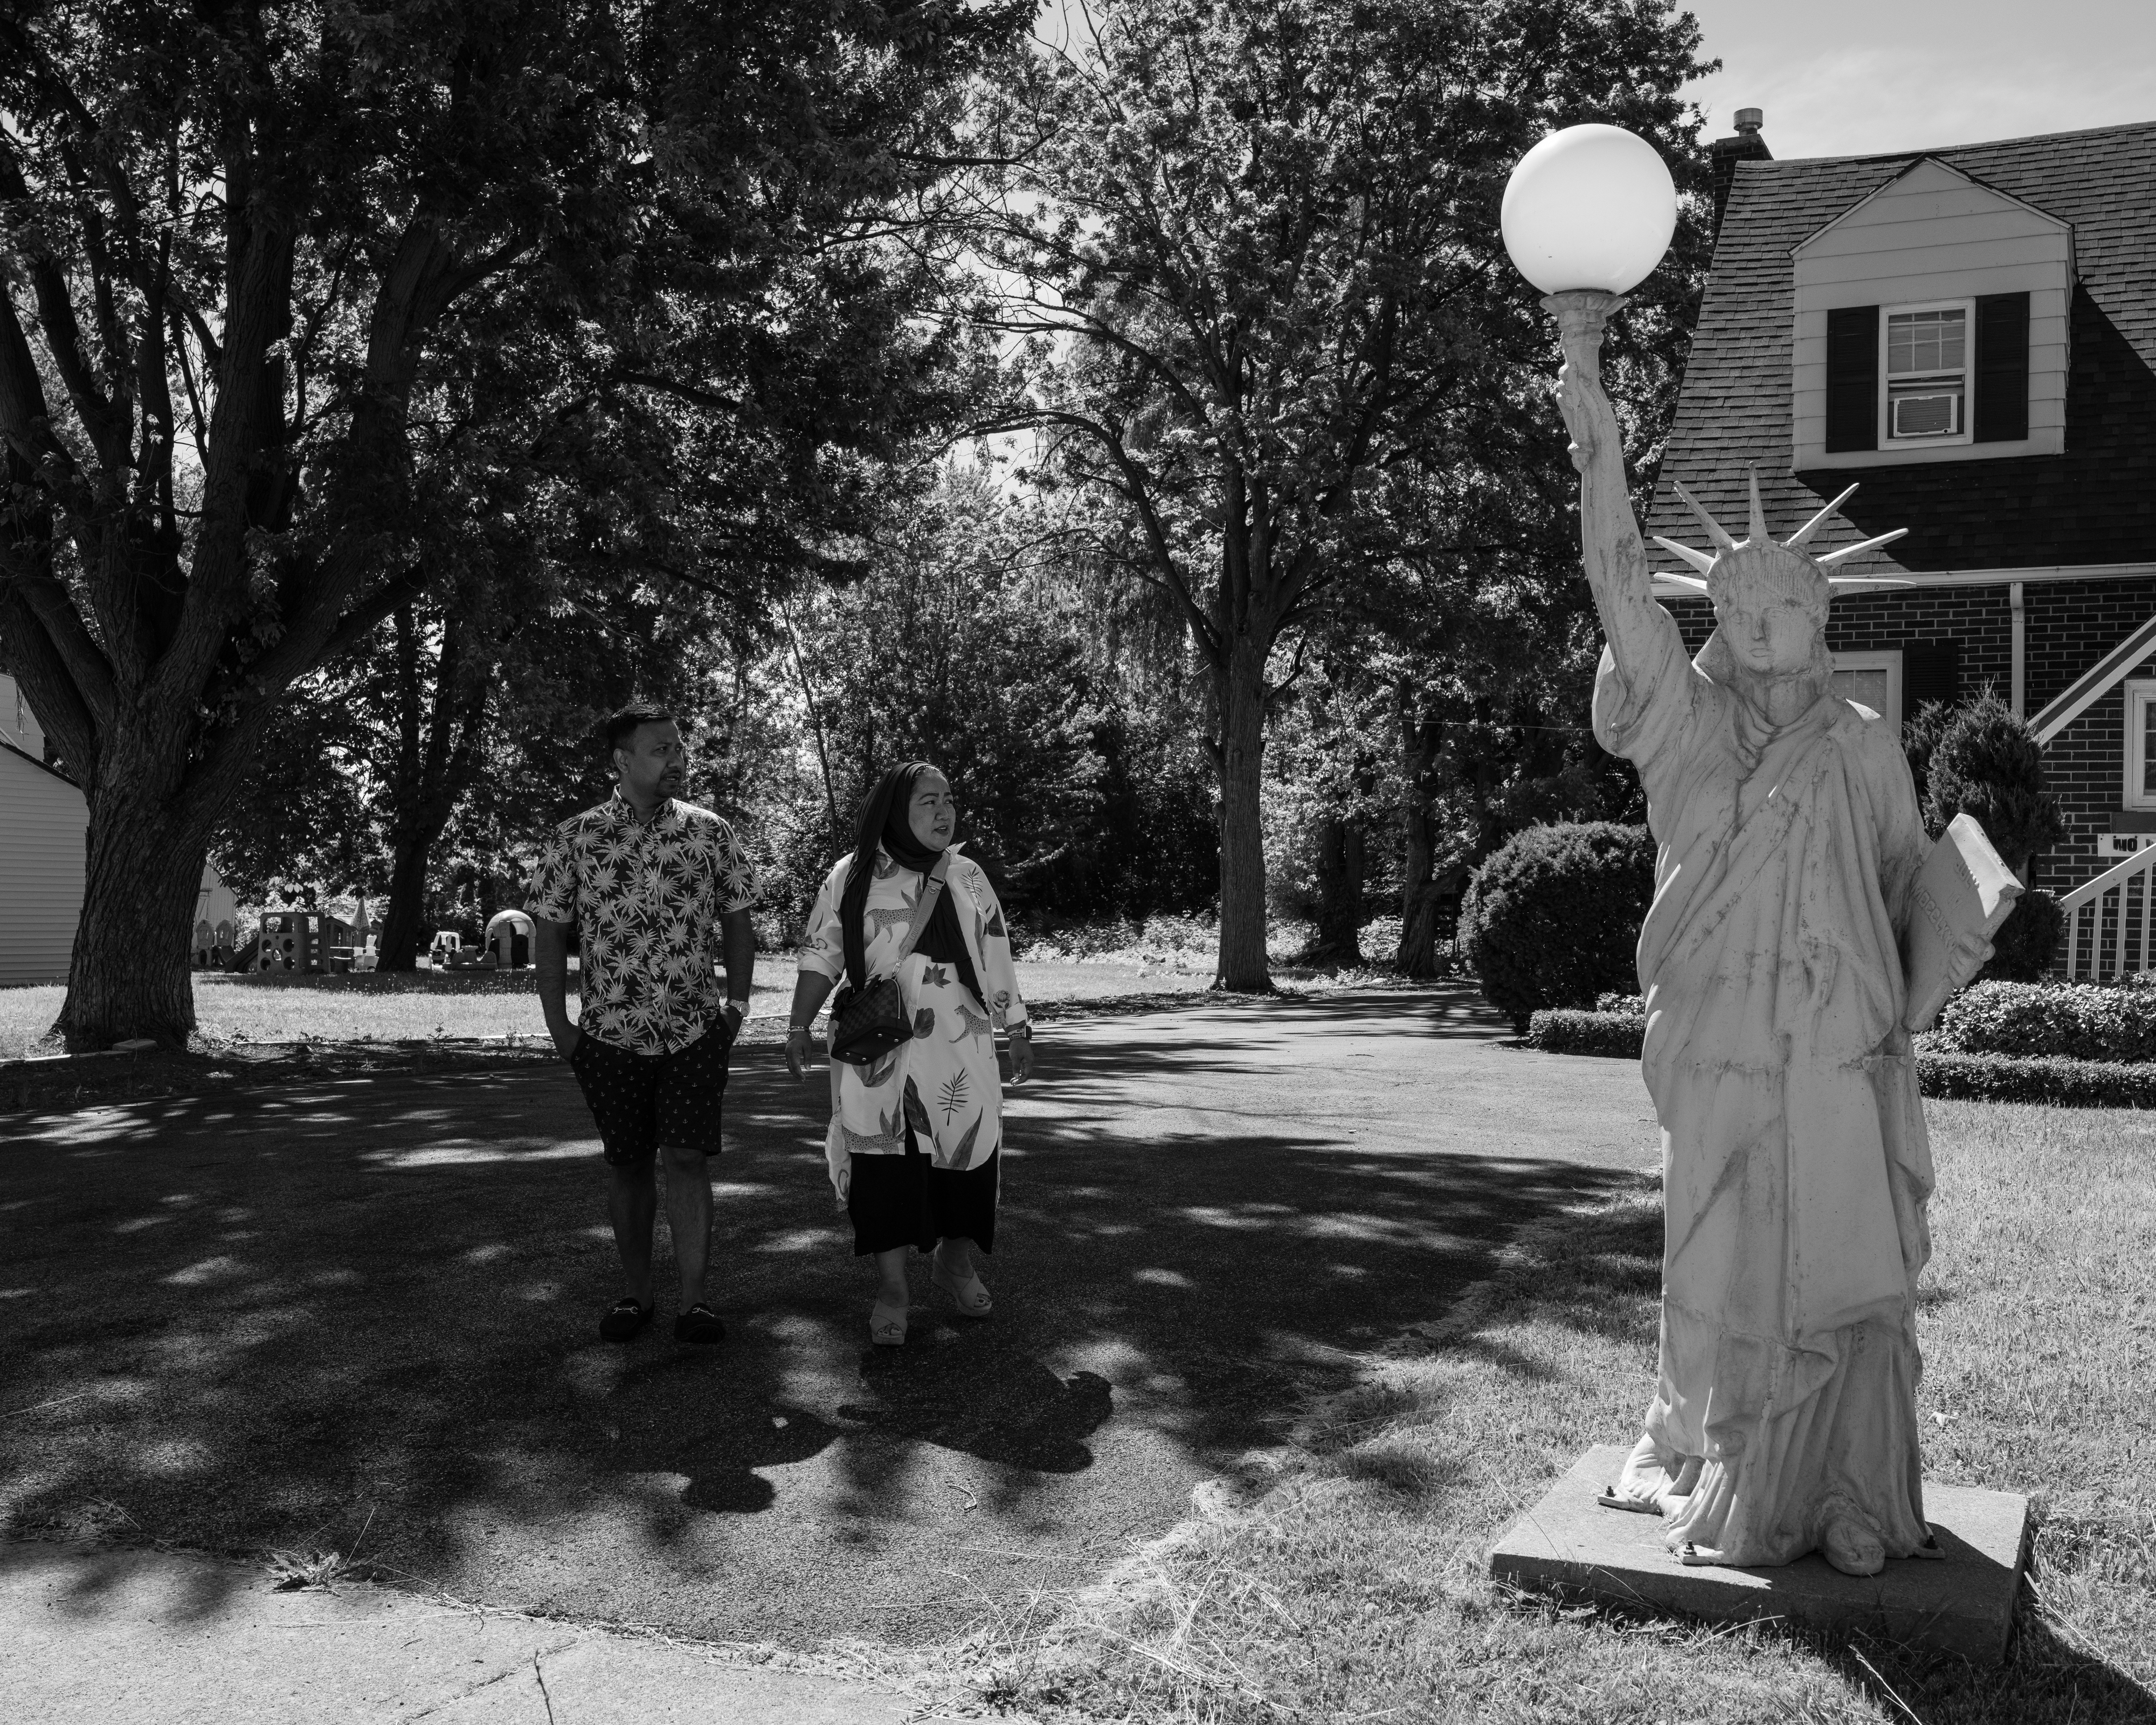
(2117, 920)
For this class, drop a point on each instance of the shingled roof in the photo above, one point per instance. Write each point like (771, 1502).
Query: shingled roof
(2096, 504)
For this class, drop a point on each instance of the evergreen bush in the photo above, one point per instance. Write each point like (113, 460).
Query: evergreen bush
(1552, 918)
(1986, 763)
(2027, 940)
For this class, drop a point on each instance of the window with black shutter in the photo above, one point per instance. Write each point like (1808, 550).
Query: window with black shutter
(2002, 367)
(1931, 670)
(1852, 378)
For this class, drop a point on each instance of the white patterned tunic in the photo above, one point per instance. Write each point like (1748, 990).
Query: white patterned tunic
(945, 1081)
(647, 899)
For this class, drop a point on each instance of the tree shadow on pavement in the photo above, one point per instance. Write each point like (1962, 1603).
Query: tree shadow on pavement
(360, 1315)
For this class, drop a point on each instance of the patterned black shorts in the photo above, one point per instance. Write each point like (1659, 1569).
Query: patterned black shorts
(641, 1101)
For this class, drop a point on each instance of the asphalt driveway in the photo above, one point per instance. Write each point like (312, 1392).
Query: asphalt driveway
(360, 1313)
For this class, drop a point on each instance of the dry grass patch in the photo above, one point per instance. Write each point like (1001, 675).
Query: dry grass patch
(1352, 1586)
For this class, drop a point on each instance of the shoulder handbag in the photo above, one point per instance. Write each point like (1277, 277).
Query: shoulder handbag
(869, 1021)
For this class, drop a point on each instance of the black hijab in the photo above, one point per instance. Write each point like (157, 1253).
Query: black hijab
(886, 821)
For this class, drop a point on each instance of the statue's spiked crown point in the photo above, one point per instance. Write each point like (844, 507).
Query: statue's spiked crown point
(1757, 546)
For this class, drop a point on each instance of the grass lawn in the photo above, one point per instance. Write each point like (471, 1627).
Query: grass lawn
(1354, 1589)
(239, 1011)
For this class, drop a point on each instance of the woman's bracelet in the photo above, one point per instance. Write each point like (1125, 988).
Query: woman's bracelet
(1023, 1028)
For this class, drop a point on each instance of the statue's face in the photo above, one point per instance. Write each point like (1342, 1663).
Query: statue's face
(1772, 636)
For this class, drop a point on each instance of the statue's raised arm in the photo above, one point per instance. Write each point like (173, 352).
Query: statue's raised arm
(1615, 556)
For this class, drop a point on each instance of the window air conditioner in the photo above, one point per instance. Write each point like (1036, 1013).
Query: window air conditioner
(1938, 415)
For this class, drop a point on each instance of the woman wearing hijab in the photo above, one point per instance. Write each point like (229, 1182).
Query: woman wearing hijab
(917, 1136)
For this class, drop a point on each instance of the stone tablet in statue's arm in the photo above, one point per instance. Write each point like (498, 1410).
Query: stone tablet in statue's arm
(1962, 894)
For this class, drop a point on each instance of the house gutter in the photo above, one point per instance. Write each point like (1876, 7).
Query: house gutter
(1902, 580)
(2020, 662)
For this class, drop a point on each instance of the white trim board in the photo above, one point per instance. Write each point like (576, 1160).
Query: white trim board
(1903, 579)
(2098, 680)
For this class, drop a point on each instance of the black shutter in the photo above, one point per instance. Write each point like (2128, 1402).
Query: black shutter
(1852, 378)
(1931, 670)
(2002, 367)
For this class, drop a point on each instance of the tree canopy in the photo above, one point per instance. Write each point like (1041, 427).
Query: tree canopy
(1255, 246)
(249, 252)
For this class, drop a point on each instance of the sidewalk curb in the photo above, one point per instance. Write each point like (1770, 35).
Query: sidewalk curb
(119, 1636)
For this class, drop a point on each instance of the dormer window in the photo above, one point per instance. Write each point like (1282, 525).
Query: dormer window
(1927, 368)
(1931, 325)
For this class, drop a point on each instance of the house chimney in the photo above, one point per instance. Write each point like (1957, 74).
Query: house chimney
(1748, 146)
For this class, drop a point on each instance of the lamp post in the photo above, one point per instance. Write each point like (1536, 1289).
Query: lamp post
(1588, 214)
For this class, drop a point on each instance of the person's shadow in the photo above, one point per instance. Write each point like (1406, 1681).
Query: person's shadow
(1020, 1415)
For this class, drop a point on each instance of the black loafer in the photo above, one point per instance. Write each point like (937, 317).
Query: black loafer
(699, 1323)
(625, 1321)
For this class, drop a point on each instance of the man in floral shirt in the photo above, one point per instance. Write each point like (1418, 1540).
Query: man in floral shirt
(652, 886)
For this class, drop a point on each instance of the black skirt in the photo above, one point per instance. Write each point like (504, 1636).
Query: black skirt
(898, 1201)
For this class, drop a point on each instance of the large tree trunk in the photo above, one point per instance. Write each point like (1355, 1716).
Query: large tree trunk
(1342, 867)
(1241, 686)
(129, 974)
(438, 741)
(1422, 905)
(404, 924)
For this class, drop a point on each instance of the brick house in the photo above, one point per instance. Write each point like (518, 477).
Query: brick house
(1968, 335)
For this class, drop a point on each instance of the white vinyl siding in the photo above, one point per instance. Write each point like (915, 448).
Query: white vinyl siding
(42, 818)
(1934, 235)
(19, 725)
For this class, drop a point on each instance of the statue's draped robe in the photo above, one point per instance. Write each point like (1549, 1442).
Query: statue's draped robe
(1795, 1164)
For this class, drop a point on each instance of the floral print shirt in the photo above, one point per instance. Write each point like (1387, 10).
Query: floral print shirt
(944, 1082)
(647, 898)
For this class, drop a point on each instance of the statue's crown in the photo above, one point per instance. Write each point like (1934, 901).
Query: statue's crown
(1757, 556)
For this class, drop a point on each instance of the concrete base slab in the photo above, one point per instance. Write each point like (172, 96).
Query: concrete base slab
(1569, 1544)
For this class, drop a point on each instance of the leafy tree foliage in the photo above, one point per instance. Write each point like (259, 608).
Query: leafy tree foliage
(969, 643)
(1260, 241)
(250, 254)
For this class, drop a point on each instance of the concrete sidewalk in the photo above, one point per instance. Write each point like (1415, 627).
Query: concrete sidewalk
(149, 1638)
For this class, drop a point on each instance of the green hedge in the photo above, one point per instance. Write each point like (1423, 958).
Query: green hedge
(2073, 1021)
(2041, 1078)
(1565, 1031)
(2052, 1079)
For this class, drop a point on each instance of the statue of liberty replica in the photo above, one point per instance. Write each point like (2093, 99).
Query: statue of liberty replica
(1795, 1164)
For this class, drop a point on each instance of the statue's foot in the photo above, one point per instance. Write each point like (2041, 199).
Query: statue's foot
(1851, 1546)
(1648, 1485)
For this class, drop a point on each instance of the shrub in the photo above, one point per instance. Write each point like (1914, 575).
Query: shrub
(1986, 763)
(2046, 1078)
(2051, 1079)
(2061, 1019)
(2028, 940)
(1921, 733)
(1552, 917)
(1561, 1030)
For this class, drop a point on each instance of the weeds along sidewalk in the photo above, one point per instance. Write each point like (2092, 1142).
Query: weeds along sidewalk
(1342, 1576)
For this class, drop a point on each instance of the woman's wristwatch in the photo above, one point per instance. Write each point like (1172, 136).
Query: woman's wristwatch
(1024, 1028)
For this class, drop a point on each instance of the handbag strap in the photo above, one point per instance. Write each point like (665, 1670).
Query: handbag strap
(923, 907)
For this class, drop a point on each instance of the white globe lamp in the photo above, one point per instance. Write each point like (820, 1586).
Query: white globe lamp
(1589, 208)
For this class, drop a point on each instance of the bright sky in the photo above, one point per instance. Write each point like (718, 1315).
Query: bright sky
(1866, 77)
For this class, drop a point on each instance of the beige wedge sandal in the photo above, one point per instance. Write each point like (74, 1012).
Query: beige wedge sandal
(969, 1294)
(887, 1325)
